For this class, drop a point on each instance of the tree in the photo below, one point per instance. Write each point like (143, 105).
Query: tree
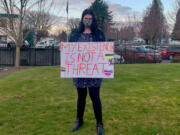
(110, 32)
(16, 20)
(14, 28)
(176, 31)
(29, 37)
(154, 23)
(172, 15)
(62, 36)
(41, 20)
(102, 13)
(127, 33)
(136, 19)
(3, 23)
(73, 23)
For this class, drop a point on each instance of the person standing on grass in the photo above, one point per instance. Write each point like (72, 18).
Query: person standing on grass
(88, 32)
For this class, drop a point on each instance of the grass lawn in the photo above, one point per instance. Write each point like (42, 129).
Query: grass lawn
(142, 99)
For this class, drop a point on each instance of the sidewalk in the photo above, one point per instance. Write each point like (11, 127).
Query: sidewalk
(6, 70)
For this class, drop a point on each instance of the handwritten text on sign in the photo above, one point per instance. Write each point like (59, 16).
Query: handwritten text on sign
(87, 59)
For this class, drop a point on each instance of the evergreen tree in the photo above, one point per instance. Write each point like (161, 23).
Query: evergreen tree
(154, 23)
(102, 13)
(176, 30)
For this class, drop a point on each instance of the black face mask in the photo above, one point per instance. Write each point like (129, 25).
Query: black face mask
(87, 23)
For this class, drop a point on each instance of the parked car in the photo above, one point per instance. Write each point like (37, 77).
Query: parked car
(151, 48)
(8, 45)
(136, 54)
(118, 59)
(3, 44)
(170, 52)
(41, 45)
(25, 44)
(47, 43)
(148, 46)
(11, 44)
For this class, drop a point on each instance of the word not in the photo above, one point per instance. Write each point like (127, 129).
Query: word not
(83, 57)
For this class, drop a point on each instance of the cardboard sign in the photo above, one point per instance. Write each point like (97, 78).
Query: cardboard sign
(87, 59)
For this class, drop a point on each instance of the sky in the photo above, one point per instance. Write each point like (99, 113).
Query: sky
(119, 8)
(140, 5)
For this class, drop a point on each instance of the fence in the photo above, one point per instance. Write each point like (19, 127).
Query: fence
(30, 56)
(128, 54)
(51, 56)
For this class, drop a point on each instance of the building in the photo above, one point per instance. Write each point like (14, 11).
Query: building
(4, 27)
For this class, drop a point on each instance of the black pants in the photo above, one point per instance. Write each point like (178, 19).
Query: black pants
(94, 93)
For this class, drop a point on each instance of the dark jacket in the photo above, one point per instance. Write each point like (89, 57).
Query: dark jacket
(98, 36)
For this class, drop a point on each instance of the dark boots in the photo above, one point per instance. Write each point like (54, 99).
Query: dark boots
(77, 125)
(81, 102)
(100, 129)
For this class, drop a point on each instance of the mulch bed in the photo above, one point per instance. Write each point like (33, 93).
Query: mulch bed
(6, 70)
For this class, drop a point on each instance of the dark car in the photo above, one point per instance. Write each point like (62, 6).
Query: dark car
(3, 44)
(8, 45)
(136, 54)
(11, 45)
(170, 52)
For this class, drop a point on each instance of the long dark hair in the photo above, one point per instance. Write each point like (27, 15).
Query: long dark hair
(94, 23)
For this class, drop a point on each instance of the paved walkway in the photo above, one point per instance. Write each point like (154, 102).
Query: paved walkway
(6, 70)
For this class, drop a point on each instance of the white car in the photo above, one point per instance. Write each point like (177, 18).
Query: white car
(42, 45)
(3, 45)
(47, 43)
(118, 59)
(8, 45)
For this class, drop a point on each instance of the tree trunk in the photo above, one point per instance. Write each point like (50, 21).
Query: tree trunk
(17, 63)
(151, 41)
